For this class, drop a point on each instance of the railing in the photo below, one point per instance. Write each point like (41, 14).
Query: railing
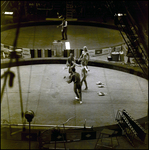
(130, 127)
(127, 26)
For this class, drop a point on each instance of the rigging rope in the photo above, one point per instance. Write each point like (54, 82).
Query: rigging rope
(3, 3)
(5, 6)
(28, 90)
(17, 62)
(40, 91)
(29, 80)
(8, 108)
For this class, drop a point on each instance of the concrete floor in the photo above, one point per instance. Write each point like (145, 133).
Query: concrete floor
(78, 36)
(52, 99)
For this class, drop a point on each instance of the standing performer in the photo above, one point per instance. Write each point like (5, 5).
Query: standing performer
(64, 28)
(70, 63)
(84, 75)
(75, 77)
(85, 57)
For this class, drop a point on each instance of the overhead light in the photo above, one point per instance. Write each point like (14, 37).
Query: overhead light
(67, 45)
(8, 13)
(120, 14)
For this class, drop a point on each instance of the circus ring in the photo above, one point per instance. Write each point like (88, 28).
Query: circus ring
(46, 93)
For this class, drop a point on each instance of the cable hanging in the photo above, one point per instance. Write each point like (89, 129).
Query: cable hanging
(14, 55)
(28, 91)
(5, 6)
(3, 3)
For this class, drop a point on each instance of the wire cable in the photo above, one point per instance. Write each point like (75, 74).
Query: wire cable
(8, 108)
(28, 91)
(5, 6)
(3, 3)
(17, 63)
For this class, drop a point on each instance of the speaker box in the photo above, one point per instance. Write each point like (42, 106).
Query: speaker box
(39, 53)
(32, 53)
(48, 53)
(67, 52)
(59, 137)
(88, 135)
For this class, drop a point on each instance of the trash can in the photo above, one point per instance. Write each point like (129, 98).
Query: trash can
(48, 53)
(115, 56)
(39, 53)
(32, 53)
(121, 56)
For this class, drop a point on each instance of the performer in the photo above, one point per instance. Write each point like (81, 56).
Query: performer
(75, 77)
(84, 75)
(71, 63)
(85, 57)
(64, 28)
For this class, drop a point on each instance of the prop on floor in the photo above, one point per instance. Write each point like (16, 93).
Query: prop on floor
(101, 94)
(100, 86)
(98, 83)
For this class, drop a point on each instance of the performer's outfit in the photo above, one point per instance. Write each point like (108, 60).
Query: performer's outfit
(84, 75)
(64, 30)
(85, 58)
(75, 77)
(70, 64)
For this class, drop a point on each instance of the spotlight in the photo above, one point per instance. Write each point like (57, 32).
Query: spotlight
(29, 115)
(120, 14)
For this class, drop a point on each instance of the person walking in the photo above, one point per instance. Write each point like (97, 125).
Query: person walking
(70, 63)
(64, 28)
(84, 75)
(75, 77)
(85, 57)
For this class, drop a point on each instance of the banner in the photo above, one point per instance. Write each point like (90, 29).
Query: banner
(98, 51)
(26, 51)
(118, 48)
(106, 50)
(91, 52)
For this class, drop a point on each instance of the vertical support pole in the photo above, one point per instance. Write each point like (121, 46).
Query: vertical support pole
(29, 137)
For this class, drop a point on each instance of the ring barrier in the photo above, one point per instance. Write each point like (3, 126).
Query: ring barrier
(117, 52)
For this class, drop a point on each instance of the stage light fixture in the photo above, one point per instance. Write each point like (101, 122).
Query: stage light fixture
(120, 14)
(8, 13)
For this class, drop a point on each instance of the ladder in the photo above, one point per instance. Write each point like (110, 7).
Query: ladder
(131, 35)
